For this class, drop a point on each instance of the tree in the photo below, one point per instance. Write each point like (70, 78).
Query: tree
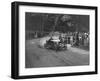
(55, 22)
(65, 18)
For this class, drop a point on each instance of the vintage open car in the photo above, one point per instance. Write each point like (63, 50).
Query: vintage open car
(55, 44)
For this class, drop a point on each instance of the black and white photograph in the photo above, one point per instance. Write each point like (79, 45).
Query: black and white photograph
(50, 40)
(56, 40)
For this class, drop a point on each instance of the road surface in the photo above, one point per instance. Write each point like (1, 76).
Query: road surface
(36, 56)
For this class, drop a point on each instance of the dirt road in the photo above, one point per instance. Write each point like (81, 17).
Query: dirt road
(41, 57)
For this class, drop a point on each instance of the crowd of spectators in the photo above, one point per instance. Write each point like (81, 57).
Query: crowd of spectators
(73, 38)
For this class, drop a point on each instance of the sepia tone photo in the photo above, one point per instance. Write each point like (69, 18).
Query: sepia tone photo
(55, 40)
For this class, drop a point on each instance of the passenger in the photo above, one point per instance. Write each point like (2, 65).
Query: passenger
(50, 39)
